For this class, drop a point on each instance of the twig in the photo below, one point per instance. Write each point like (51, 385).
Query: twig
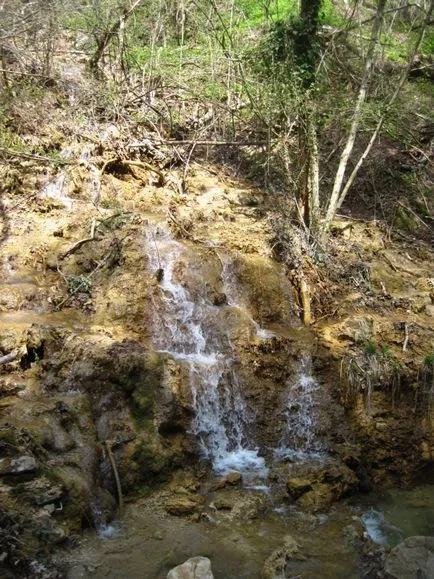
(80, 243)
(210, 143)
(413, 213)
(404, 345)
(35, 157)
(389, 261)
(116, 475)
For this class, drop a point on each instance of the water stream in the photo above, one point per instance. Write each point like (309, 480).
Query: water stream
(299, 440)
(188, 328)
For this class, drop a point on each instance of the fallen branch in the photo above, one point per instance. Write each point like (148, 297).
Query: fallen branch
(207, 143)
(116, 475)
(9, 357)
(80, 243)
(413, 213)
(35, 157)
(406, 334)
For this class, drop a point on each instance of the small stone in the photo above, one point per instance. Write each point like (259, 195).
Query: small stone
(195, 568)
(158, 535)
(49, 508)
(234, 478)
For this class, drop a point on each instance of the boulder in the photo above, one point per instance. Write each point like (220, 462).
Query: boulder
(318, 499)
(194, 568)
(411, 559)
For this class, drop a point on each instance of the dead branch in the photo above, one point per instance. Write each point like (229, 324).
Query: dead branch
(209, 143)
(80, 243)
(35, 157)
(116, 476)
(413, 213)
(9, 357)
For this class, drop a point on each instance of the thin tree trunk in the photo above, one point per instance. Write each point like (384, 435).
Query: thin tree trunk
(345, 156)
(106, 39)
(393, 98)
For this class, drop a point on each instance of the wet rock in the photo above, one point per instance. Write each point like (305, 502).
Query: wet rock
(296, 487)
(21, 465)
(412, 559)
(194, 568)
(276, 565)
(40, 491)
(318, 499)
(232, 479)
(249, 506)
(77, 572)
(184, 505)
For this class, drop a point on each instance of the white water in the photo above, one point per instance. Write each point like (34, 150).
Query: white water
(299, 440)
(187, 327)
(55, 190)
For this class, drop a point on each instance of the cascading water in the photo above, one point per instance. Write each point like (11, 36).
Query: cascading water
(187, 328)
(299, 439)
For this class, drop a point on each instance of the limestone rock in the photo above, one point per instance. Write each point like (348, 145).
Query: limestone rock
(22, 465)
(183, 504)
(41, 491)
(412, 558)
(275, 566)
(297, 487)
(319, 498)
(232, 479)
(194, 568)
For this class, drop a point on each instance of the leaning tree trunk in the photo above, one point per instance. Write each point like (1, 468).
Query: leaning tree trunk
(345, 156)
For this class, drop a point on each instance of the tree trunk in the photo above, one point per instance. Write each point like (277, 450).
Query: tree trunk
(393, 98)
(103, 42)
(345, 156)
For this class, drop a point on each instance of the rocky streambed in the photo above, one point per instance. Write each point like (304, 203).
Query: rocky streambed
(165, 401)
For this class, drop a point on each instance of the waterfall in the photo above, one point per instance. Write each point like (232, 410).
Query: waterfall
(188, 328)
(299, 439)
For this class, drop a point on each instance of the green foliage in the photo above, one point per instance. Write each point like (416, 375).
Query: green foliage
(370, 348)
(79, 283)
(429, 361)
(110, 203)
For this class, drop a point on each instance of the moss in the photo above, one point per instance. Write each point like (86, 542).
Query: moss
(150, 461)
(139, 375)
